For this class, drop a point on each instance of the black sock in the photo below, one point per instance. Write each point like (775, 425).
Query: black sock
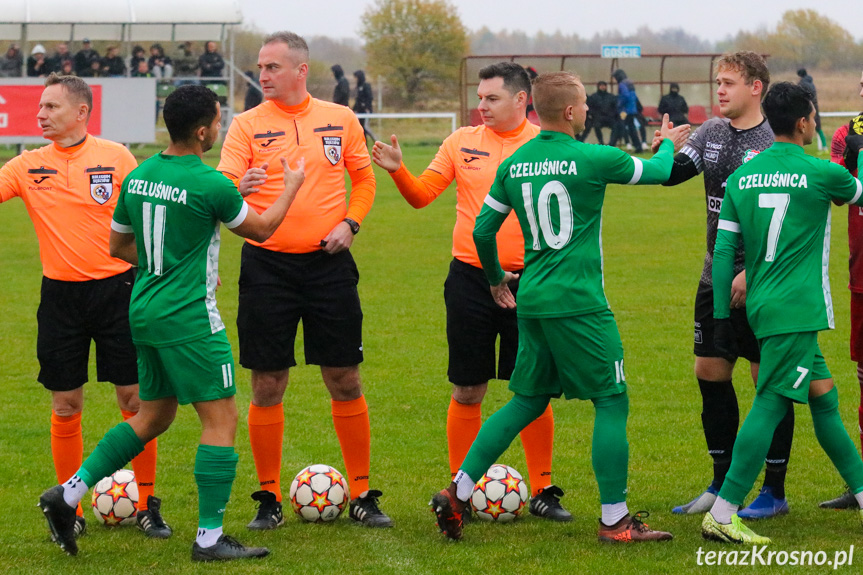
(720, 418)
(777, 457)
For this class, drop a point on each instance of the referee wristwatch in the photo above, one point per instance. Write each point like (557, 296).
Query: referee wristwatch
(355, 227)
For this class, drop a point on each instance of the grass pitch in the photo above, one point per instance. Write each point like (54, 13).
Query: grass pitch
(653, 246)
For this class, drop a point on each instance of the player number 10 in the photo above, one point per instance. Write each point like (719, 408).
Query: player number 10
(154, 236)
(543, 204)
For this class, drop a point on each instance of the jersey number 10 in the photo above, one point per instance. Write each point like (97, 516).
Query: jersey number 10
(552, 189)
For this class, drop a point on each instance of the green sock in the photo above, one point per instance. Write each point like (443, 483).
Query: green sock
(117, 448)
(834, 439)
(498, 432)
(752, 445)
(610, 449)
(215, 469)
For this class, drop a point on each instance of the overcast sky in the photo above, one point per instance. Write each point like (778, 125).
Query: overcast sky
(710, 20)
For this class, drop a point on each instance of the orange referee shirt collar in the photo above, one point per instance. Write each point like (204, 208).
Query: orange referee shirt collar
(511, 133)
(302, 106)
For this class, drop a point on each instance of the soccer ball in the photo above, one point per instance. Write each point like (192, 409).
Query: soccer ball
(115, 499)
(319, 493)
(499, 495)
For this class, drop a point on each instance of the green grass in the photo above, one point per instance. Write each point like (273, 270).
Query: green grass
(653, 247)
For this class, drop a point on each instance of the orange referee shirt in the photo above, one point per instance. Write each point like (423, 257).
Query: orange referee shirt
(330, 139)
(70, 194)
(471, 157)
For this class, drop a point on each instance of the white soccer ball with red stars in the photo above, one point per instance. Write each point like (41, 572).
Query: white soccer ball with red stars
(115, 499)
(319, 493)
(499, 495)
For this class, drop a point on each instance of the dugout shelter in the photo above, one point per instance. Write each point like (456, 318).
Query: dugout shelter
(126, 23)
(651, 74)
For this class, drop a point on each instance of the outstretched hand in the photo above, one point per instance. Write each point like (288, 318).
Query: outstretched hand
(294, 178)
(386, 156)
(677, 134)
(253, 179)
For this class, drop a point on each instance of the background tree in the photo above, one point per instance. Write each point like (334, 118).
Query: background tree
(417, 45)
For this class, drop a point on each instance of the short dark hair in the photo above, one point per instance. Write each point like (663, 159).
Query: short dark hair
(188, 108)
(74, 86)
(785, 104)
(515, 78)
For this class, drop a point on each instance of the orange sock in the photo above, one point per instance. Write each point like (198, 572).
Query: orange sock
(538, 441)
(266, 433)
(67, 447)
(462, 426)
(351, 420)
(144, 466)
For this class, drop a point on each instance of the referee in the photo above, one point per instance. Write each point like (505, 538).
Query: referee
(70, 188)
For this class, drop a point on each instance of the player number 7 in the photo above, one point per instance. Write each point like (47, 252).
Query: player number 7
(803, 373)
(779, 204)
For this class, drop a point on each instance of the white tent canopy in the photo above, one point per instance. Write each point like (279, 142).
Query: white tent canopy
(117, 20)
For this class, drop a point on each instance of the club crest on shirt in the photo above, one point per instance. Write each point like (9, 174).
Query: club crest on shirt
(333, 148)
(749, 154)
(101, 187)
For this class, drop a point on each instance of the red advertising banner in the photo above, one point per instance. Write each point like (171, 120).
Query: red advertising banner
(20, 104)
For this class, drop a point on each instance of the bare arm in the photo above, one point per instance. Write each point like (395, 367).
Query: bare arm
(260, 227)
(122, 246)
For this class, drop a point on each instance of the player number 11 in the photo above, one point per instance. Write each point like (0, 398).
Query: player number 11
(154, 236)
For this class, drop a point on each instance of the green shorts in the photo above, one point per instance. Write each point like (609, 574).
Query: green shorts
(789, 362)
(580, 357)
(200, 370)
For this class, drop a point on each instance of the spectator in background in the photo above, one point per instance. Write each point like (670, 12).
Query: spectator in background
(112, 64)
(627, 107)
(254, 96)
(143, 70)
(12, 62)
(342, 91)
(37, 64)
(84, 58)
(601, 113)
(137, 55)
(185, 65)
(806, 80)
(211, 63)
(363, 103)
(674, 105)
(68, 68)
(60, 57)
(531, 73)
(161, 66)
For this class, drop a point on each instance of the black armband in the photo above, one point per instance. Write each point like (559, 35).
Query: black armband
(682, 170)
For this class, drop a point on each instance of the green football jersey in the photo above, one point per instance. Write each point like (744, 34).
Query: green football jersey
(173, 205)
(556, 185)
(778, 204)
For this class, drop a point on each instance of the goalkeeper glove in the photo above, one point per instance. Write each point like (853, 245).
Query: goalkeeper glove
(724, 339)
(853, 145)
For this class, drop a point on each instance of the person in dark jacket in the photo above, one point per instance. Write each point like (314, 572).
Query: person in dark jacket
(627, 108)
(601, 112)
(112, 64)
(85, 57)
(342, 91)
(806, 80)
(12, 62)
(138, 54)
(37, 63)
(674, 105)
(254, 96)
(363, 103)
(211, 62)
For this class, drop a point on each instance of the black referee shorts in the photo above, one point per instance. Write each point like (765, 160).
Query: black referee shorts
(747, 344)
(277, 290)
(473, 324)
(73, 313)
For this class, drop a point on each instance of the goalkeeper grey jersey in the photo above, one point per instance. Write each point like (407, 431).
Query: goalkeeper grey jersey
(718, 149)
